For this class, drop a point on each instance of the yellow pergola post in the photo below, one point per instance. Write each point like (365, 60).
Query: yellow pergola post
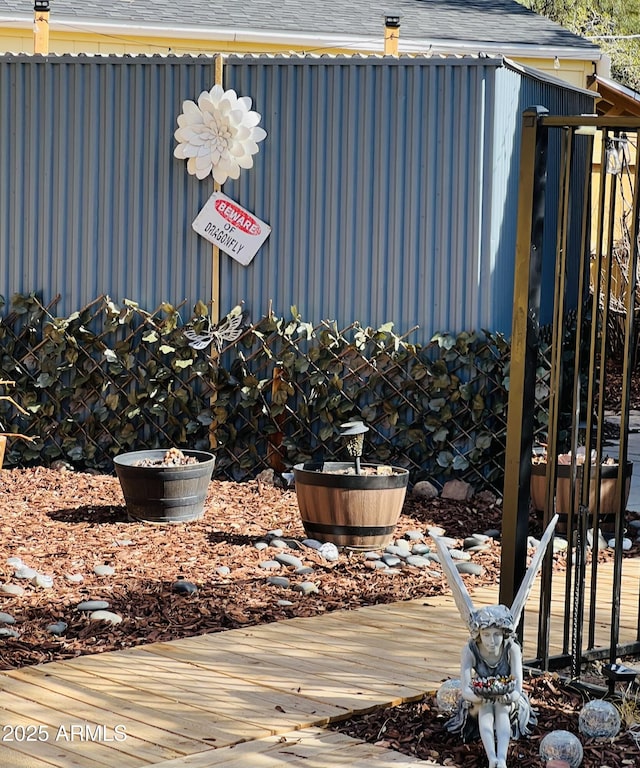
(391, 35)
(41, 26)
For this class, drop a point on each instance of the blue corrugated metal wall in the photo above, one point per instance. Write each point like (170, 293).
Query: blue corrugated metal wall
(91, 198)
(390, 185)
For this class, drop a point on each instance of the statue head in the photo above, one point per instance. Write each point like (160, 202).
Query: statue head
(492, 616)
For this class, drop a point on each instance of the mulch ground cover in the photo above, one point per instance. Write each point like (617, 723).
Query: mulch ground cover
(417, 729)
(64, 523)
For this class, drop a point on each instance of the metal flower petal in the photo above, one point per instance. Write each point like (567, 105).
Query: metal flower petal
(218, 135)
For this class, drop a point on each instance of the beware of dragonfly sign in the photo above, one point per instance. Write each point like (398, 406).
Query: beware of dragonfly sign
(233, 229)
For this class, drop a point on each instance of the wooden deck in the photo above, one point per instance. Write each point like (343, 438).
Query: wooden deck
(252, 697)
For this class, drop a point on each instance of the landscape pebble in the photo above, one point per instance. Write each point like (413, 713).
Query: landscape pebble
(184, 587)
(279, 581)
(312, 543)
(42, 580)
(260, 545)
(58, 628)
(418, 561)
(459, 554)
(475, 569)
(12, 589)
(92, 605)
(306, 587)
(112, 618)
(289, 560)
(104, 570)
(74, 578)
(329, 551)
(8, 632)
(24, 572)
(270, 565)
(6, 618)
(223, 570)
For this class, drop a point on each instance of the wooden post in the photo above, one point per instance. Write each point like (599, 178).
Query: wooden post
(41, 26)
(278, 397)
(215, 266)
(391, 35)
(215, 277)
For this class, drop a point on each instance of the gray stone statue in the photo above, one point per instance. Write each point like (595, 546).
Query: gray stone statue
(492, 705)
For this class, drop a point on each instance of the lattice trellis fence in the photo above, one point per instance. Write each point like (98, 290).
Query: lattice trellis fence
(113, 378)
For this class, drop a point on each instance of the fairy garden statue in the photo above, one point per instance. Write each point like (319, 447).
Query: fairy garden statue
(492, 703)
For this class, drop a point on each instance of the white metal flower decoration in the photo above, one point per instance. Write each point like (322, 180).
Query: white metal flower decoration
(218, 135)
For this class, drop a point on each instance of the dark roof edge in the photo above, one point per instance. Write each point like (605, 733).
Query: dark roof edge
(545, 77)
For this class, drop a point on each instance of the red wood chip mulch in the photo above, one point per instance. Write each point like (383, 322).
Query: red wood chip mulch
(61, 522)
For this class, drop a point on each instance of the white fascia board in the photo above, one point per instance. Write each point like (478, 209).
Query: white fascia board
(310, 40)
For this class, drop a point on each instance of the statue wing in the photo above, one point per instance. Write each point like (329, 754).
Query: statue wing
(532, 571)
(457, 585)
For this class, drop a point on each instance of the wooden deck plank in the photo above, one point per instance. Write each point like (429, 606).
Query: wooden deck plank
(311, 748)
(344, 693)
(187, 678)
(274, 711)
(38, 684)
(69, 748)
(143, 741)
(22, 758)
(400, 660)
(291, 672)
(193, 722)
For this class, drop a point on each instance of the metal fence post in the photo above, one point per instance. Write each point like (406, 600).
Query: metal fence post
(524, 351)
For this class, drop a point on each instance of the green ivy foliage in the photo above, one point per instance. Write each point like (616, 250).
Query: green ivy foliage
(112, 378)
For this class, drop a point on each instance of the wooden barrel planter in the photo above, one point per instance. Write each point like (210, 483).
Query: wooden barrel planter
(609, 501)
(164, 494)
(349, 510)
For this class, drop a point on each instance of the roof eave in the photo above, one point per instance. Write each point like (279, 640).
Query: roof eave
(303, 41)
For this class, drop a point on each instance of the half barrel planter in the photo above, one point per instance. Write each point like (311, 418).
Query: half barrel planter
(164, 494)
(609, 502)
(349, 510)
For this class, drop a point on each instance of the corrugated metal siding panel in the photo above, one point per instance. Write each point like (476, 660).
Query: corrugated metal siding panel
(516, 92)
(389, 185)
(372, 179)
(91, 199)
